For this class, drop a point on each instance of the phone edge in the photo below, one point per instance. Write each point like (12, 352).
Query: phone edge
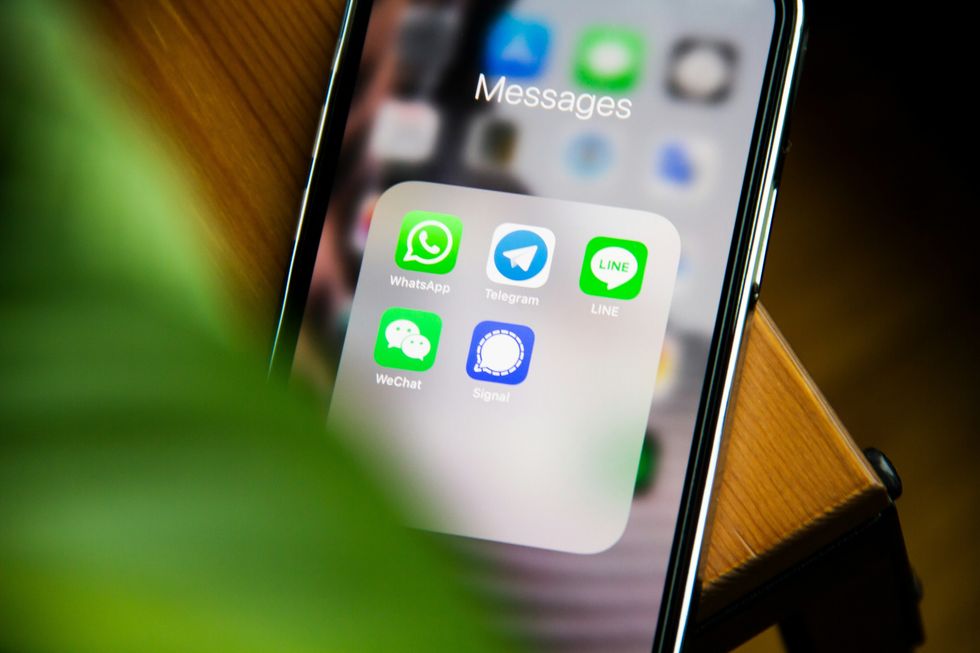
(281, 322)
(761, 226)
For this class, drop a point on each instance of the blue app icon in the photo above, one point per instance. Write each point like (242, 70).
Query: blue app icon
(589, 155)
(500, 352)
(520, 255)
(675, 166)
(516, 48)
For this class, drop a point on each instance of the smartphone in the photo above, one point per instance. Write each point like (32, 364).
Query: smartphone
(531, 236)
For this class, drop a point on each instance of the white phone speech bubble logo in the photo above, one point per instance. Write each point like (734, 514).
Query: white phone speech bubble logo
(419, 230)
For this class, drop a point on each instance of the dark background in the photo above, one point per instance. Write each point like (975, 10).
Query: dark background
(872, 269)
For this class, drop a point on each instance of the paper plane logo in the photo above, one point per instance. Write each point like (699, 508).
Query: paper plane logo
(520, 255)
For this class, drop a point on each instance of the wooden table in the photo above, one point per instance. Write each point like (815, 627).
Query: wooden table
(237, 86)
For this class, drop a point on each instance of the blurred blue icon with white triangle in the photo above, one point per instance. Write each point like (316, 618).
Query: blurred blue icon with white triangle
(516, 48)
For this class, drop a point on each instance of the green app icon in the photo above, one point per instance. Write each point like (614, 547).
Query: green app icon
(428, 242)
(613, 267)
(407, 339)
(608, 59)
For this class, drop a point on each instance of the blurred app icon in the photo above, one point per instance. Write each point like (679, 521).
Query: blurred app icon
(426, 42)
(589, 155)
(516, 47)
(500, 352)
(649, 465)
(520, 255)
(404, 131)
(407, 339)
(609, 59)
(492, 142)
(683, 167)
(701, 70)
(675, 165)
(359, 228)
(428, 242)
(669, 369)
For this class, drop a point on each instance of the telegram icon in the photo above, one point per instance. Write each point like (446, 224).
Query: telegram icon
(520, 255)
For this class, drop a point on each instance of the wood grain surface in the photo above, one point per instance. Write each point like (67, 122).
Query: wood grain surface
(236, 87)
(791, 480)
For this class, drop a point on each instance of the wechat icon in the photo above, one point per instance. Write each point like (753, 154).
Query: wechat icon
(407, 339)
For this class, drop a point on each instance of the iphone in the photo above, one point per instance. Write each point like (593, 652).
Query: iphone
(531, 237)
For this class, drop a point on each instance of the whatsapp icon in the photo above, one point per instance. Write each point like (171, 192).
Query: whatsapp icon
(428, 242)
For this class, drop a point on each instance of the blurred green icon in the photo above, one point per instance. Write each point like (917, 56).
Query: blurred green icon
(428, 242)
(613, 268)
(608, 59)
(407, 339)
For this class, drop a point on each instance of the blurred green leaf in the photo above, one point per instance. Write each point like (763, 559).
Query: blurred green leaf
(156, 494)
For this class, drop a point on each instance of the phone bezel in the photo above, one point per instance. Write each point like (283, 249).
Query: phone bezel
(750, 236)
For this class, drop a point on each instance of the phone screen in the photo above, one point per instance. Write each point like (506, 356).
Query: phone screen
(518, 278)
